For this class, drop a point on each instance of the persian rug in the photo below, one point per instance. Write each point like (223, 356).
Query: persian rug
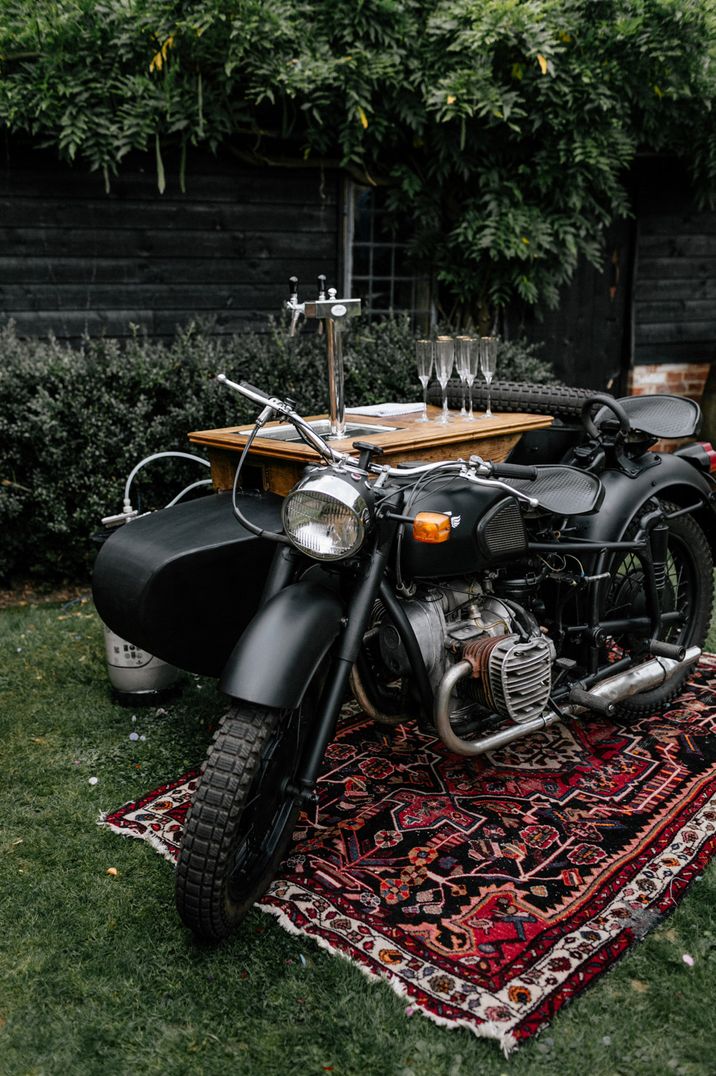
(489, 892)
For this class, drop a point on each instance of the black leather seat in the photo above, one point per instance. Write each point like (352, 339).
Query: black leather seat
(658, 416)
(565, 491)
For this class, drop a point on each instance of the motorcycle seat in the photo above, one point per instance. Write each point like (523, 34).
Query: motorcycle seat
(562, 490)
(658, 416)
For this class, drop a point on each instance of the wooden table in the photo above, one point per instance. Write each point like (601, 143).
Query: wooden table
(277, 465)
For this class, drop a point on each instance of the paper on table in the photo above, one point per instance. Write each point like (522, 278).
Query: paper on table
(385, 409)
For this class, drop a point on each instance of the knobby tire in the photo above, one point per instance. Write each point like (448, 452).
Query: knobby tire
(206, 896)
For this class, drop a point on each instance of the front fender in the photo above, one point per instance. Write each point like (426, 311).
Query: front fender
(670, 479)
(280, 651)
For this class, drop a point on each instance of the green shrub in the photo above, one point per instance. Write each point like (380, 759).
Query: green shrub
(73, 422)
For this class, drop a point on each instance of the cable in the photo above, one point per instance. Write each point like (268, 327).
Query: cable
(238, 515)
(148, 459)
(187, 489)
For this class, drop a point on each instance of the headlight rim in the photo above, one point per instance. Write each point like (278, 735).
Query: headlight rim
(341, 490)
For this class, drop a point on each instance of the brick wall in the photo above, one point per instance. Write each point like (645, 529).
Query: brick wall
(677, 378)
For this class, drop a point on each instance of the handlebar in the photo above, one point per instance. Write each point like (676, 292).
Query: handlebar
(613, 405)
(254, 394)
(258, 395)
(272, 403)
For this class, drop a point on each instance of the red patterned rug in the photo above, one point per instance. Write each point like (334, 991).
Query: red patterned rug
(490, 892)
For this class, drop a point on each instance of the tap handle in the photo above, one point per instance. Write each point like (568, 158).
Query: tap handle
(293, 288)
(321, 286)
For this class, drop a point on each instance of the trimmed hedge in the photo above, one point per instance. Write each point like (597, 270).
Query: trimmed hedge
(73, 422)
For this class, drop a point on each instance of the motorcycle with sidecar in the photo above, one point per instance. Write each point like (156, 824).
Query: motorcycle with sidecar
(481, 600)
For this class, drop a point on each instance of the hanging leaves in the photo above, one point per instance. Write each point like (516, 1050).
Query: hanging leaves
(491, 123)
(159, 57)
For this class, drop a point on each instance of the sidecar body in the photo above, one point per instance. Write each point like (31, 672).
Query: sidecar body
(184, 582)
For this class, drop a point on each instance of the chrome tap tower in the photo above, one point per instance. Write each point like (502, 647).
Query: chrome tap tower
(334, 313)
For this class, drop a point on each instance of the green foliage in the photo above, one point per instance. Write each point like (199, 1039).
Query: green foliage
(504, 128)
(74, 422)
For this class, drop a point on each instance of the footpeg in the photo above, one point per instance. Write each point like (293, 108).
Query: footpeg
(667, 650)
(579, 697)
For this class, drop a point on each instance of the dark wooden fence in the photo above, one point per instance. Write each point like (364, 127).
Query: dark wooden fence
(652, 300)
(75, 259)
(675, 275)
(586, 336)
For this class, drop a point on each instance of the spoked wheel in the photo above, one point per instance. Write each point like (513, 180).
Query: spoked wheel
(687, 589)
(241, 819)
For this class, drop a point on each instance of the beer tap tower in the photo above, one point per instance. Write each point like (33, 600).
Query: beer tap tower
(334, 313)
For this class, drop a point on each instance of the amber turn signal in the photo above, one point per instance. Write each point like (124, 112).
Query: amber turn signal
(431, 527)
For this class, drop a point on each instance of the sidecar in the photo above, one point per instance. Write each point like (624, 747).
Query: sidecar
(184, 582)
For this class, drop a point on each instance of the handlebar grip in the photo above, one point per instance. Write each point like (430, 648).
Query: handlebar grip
(514, 470)
(252, 388)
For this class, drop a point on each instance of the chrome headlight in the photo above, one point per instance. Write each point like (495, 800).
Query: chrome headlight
(326, 516)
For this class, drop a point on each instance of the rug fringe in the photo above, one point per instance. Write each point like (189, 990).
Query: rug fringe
(150, 838)
(487, 1030)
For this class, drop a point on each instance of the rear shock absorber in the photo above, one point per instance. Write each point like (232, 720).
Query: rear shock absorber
(659, 540)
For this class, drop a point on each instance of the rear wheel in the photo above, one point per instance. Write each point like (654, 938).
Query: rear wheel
(241, 819)
(687, 589)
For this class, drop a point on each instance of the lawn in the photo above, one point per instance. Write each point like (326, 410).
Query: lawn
(97, 976)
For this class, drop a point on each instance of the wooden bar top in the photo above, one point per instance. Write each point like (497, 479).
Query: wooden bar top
(405, 438)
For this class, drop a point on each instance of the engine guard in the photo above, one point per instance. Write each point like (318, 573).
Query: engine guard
(278, 655)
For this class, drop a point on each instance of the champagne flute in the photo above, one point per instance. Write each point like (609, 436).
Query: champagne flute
(424, 361)
(444, 359)
(468, 353)
(488, 363)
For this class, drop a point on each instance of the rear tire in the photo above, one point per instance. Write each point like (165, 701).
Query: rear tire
(241, 819)
(689, 588)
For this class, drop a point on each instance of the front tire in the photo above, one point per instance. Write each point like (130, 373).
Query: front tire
(241, 819)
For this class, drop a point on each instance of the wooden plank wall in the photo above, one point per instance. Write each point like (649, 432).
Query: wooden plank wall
(75, 260)
(674, 314)
(585, 337)
(654, 300)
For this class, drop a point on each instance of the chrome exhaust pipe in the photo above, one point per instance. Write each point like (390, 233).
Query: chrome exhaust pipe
(644, 677)
(361, 697)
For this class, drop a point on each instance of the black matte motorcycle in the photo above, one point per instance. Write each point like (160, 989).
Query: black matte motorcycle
(484, 601)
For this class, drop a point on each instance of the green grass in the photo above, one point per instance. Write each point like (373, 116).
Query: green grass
(97, 976)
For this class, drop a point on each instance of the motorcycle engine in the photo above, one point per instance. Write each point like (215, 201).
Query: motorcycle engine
(511, 658)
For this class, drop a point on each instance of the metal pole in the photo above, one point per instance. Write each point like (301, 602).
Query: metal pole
(333, 311)
(336, 393)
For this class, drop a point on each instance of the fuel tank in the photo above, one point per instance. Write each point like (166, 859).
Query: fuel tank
(184, 582)
(487, 526)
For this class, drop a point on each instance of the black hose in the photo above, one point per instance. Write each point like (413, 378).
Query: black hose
(272, 536)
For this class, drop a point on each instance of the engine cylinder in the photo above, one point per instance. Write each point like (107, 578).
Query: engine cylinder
(512, 678)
